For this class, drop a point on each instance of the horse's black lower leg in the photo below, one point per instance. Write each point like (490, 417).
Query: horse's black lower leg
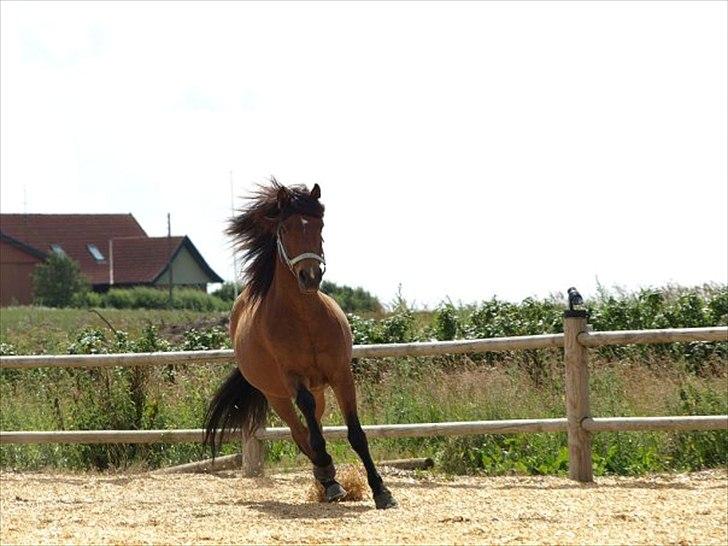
(307, 404)
(323, 466)
(382, 496)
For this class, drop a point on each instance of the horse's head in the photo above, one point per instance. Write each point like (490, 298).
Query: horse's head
(300, 245)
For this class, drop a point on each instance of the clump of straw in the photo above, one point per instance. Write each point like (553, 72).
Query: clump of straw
(351, 477)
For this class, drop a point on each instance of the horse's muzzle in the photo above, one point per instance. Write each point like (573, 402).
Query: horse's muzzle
(309, 279)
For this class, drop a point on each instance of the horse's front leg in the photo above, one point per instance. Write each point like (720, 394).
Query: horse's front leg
(346, 397)
(323, 471)
(323, 465)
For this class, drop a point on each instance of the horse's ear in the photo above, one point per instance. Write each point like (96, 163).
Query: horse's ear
(316, 192)
(284, 198)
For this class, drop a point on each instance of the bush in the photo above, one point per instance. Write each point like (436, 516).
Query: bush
(90, 341)
(446, 323)
(227, 291)
(399, 327)
(139, 297)
(196, 300)
(213, 338)
(119, 299)
(351, 300)
(58, 282)
(667, 307)
(7, 349)
(88, 299)
(144, 297)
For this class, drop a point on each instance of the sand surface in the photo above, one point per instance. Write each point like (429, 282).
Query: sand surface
(53, 508)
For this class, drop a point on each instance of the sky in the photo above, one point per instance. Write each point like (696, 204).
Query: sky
(464, 150)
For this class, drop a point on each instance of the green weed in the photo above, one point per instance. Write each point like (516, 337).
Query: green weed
(685, 379)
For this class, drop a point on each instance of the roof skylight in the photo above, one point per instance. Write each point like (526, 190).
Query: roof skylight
(58, 250)
(96, 253)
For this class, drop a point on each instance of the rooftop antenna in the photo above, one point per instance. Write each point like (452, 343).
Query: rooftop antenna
(169, 246)
(235, 254)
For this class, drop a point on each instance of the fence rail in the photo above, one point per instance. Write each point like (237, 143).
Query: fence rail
(410, 430)
(578, 423)
(384, 350)
(667, 335)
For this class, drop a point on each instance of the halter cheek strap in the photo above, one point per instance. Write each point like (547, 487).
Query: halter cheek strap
(290, 262)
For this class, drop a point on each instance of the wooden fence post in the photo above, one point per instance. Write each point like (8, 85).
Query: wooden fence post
(577, 396)
(253, 457)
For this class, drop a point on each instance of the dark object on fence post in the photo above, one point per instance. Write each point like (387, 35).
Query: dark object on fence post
(577, 391)
(574, 298)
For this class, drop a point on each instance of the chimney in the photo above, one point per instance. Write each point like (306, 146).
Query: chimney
(111, 262)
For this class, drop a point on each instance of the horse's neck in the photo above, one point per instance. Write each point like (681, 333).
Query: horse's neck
(286, 295)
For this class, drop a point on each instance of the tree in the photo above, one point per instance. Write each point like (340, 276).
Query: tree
(351, 300)
(227, 291)
(58, 282)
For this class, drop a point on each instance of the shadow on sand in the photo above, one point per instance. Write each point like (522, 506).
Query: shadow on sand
(309, 510)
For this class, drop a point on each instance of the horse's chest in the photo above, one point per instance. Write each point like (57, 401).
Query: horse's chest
(277, 351)
(297, 343)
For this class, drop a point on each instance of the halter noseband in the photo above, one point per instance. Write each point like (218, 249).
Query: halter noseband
(290, 262)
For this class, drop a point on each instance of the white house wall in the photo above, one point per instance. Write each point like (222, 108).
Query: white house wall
(185, 270)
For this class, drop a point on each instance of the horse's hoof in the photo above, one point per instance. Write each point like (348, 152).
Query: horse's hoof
(335, 492)
(384, 500)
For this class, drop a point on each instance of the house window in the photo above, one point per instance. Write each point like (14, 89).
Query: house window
(58, 250)
(96, 253)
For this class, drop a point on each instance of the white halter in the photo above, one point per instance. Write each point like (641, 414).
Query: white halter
(290, 262)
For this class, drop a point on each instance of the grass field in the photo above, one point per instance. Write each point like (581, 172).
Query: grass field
(679, 379)
(42, 330)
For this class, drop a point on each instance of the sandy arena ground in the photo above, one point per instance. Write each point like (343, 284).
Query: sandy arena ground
(153, 509)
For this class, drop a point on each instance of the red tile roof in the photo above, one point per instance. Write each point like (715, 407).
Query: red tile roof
(138, 259)
(142, 259)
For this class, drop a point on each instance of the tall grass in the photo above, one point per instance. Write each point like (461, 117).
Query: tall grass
(661, 380)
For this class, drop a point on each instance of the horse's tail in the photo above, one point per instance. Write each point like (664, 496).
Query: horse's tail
(237, 405)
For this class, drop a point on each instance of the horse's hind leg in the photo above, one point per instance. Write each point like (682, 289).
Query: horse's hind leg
(323, 465)
(285, 410)
(346, 397)
(320, 399)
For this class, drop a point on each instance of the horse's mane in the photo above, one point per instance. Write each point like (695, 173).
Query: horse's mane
(254, 232)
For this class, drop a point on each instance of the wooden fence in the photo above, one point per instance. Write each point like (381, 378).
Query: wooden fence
(579, 424)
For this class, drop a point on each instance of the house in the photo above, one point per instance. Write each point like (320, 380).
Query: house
(112, 250)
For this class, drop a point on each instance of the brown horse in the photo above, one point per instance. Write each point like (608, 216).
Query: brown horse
(291, 341)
